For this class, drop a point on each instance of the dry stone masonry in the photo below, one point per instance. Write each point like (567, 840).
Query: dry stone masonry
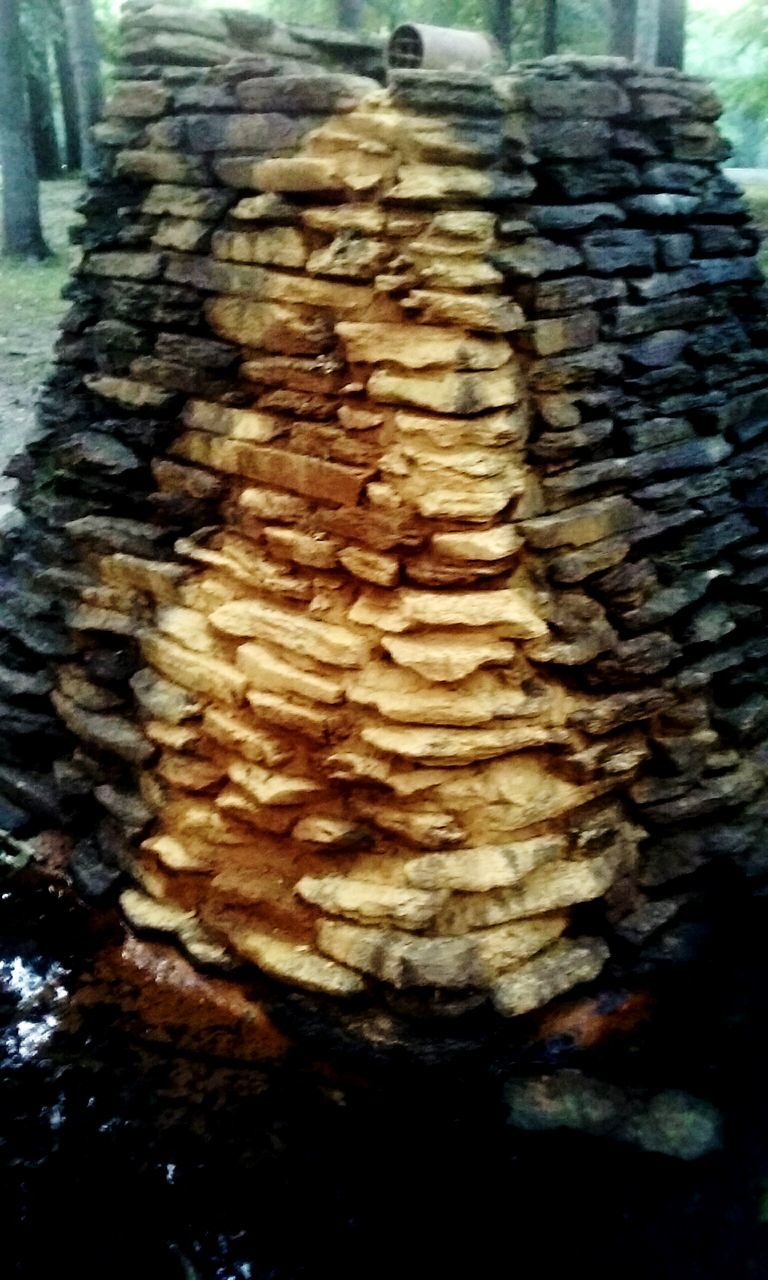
(389, 602)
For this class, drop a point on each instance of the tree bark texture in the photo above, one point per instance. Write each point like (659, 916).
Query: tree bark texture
(500, 22)
(68, 94)
(623, 23)
(22, 233)
(671, 51)
(44, 140)
(349, 14)
(84, 53)
(549, 42)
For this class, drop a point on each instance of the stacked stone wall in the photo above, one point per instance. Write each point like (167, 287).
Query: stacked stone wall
(389, 602)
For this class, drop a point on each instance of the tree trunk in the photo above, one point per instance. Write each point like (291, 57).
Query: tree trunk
(68, 103)
(44, 141)
(672, 33)
(83, 46)
(623, 24)
(549, 42)
(349, 14)
(647, 31)
(22, 233)
(500, 21)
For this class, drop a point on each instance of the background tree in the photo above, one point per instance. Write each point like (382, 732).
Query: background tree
(67, 95)
(83, 45)
(349, 14)
(671, 50)
(549, 41)
(45, 141)
(623, 22)
(22, 233)
(500, 24)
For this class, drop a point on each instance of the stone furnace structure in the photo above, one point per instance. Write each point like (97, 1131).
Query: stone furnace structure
(389, 600)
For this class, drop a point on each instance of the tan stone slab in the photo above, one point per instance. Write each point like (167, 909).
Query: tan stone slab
(187, 626)
(176, 737)
(367, 219)
(448, 657)
(329, 832)
(272, 504)
(547, 888)
(426, 828)
(270, 326)
(481, 698)
(137, 100)
(449, 391)
(312, 477)
(124, 265)
(487, 867)
(453, 272)
(186, 202)
(311, 720)
(129, 392)
(511, 608)
(455, 963)
(437, 745)
(185, 235)
(301, 173)
(426, 182)
(487, 431)
(365, 900)
(295, 964)
(144, 912)
(483, 544)
(240, 734)
(469, 311)
(350, 257)
(315, 551)
(161, 166)
(239, 424)
(162, 699)
(420, 346)
(269, 788)
(266, 671)
(189, 773)
(233, 802)
(159, 579)
(548, 975)
(371, 566)
(294, 632)
(200, 673)
(278, 246)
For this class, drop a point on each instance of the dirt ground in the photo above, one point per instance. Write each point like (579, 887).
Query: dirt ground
(30, 309)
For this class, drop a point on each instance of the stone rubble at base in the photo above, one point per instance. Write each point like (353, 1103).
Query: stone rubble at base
(394, 546)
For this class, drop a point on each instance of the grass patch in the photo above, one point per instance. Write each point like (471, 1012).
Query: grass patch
(30, 314)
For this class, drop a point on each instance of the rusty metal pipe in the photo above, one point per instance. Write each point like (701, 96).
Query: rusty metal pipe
(429, 48)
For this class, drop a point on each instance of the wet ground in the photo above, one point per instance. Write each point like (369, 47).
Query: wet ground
(132, 1148)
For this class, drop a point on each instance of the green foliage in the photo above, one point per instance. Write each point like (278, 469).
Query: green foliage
(731, 50)
(582, 24)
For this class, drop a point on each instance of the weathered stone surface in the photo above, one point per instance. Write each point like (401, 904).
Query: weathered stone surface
(454, 963)
(454, 558)
(420, 346)
(450, 392)
(548, 975)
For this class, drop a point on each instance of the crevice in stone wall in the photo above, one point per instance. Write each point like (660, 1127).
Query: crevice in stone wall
(408, 448)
